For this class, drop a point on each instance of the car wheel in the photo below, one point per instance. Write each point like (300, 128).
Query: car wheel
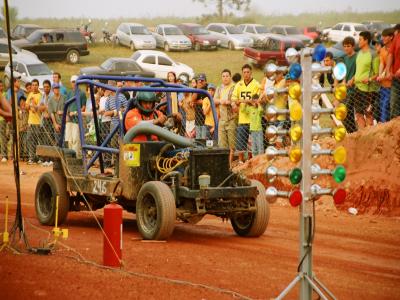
(49, 186)
(132, 46)
(166, 47)
(197, 47)
(253, 224)
(155, 211)
(231, 46)
(73, 57)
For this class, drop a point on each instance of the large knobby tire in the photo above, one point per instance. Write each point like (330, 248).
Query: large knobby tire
(166, 47)
(50, 185)
(155, 211)
(132, 46)
(73, 56)
(197, 47)
(253, 224)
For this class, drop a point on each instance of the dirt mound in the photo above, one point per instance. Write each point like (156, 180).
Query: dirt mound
(373, 169)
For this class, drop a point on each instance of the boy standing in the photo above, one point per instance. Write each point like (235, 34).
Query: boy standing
(32, 105)
(255, 111)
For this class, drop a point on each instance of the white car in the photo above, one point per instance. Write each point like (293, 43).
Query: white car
(257, 32)
(230, 35)
(136, 36)
(170, 37)
(16, 52)
(341, 30)
(28, 68)
(160, 63)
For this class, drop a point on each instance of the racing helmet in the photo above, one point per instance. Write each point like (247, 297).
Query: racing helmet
(145, 97)
(291, 55)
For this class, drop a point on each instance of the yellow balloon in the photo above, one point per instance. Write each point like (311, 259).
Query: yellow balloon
(295, 132)
(339, 133)
(340, 155)
(295, 154)
(295, 111)
(340, 92)
(295, 90)
(341, 112)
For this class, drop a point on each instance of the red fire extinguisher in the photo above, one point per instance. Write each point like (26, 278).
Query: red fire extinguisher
(112, 246)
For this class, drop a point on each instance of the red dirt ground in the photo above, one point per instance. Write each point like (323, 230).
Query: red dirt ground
(357, 257)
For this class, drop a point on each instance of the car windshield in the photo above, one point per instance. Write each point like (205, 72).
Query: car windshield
(172, 31)
(198, 30)
(380, 26)
(139, 30)
(292, 30)
(35, 36)
(106, 64)
(233, 30)
(29, 30)
(38, 69)
(262, 29)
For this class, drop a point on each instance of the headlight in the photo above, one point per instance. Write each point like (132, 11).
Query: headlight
(206, 42)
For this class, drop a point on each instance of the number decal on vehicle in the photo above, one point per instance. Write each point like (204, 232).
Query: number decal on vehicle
(99, 187)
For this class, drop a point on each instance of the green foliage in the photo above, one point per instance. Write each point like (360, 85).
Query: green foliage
(222, 4)
(12, 12)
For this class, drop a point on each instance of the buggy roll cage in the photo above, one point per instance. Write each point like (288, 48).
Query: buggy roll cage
(157, 85)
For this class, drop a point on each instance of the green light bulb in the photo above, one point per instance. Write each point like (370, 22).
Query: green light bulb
(339, 174)
(295, 176)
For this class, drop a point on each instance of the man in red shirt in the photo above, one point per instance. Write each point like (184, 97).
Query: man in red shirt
(144, 111)
(393, 72)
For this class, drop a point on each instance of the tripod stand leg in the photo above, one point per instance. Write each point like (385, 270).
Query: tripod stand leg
(323, 287)
(288, 288)
(316, 288)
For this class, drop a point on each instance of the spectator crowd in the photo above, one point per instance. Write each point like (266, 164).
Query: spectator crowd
(373, 96)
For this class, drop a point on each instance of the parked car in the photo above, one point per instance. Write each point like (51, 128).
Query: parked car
(170, 37)
(230, 35)
(136, 36)
(376, 27)
(22, 31)
(55, 44)
(199, 36)
(311, 32)
(341, 30)
(160, 63)
(17, 53)
(292, 32)
(272, 50)
(28, 68)
(256, 32)
(117, 66)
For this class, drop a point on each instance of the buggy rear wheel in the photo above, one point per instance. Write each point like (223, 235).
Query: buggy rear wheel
(253, 224)
(50, 185)
(155, 211)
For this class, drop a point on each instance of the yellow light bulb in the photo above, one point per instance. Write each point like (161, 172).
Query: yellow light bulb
(340, 155)
(340, 92)
(295, 154)
(341, 112)
(339, 133)
(294, 90)
(295, 132)
(295, 111)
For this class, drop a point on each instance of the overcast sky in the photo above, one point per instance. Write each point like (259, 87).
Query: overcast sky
(155, 8)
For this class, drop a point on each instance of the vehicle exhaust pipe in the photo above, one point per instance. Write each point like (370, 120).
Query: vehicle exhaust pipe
(164, 134)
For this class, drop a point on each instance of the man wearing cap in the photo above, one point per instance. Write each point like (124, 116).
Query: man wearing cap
(197, 99)
(144, 112)
(72, 130)
(55, 109)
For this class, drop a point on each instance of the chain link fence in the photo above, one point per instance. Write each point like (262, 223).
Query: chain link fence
(195, 119)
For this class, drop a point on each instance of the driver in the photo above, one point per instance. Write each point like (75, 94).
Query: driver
(144, 112)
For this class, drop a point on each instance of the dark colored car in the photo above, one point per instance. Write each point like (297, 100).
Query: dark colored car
(21, 31)
(117, 66)
(272, 50)
(199, 36)
(55, 44)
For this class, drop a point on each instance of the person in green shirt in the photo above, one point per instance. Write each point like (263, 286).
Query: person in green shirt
(367, 69)
(350, 61)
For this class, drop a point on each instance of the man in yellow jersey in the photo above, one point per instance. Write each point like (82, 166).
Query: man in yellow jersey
(227, 118)
(32, 106)
(242, 96)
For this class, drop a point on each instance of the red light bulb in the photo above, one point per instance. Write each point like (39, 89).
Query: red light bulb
(295, 198)
(339, 195)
